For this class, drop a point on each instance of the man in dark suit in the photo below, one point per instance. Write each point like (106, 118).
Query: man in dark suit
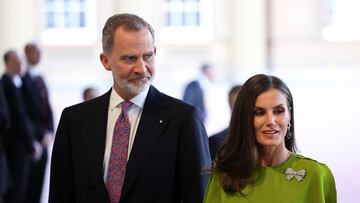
(20, 144)
(216, 140)
(37, 102)
(168, 147)
(4, 127)
(194, 93)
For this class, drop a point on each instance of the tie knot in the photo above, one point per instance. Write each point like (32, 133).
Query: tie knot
(125, 105)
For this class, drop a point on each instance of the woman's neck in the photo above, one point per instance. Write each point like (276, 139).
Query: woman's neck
(274, 156)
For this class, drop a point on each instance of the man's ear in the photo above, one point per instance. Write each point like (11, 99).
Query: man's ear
(104, 58)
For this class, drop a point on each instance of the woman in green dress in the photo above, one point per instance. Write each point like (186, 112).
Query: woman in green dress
(258, 162)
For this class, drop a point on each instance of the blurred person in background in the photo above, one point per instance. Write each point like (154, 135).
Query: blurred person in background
(132, 144)
(4, 127)
(216, 140)
(90, 93)
(195, 91)
(20, 145)
(258, 162)
(37, 103)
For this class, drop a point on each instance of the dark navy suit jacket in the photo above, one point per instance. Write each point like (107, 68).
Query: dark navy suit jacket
(4, 127)
(216, 141)
(167, 159)
(194, 95)
(38, 106)
(18, 143)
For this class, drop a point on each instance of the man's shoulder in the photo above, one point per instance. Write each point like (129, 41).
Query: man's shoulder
(219, 136)
(7, 83)
(170, 101)
(5, 78)
(175, 101)
(193, 83)
(90, 106)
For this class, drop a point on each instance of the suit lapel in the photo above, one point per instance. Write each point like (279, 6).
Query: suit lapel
(149, 131)
(96, 137)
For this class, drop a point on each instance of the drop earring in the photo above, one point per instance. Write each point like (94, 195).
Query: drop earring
(288, 134)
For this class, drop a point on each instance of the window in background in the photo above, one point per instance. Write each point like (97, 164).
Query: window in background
(341, 18)
(182, 13)
(69, 22)
(187, 21)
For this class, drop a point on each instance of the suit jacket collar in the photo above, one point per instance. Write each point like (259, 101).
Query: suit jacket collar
(150, 129)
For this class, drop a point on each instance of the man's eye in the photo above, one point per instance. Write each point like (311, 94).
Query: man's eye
(128, 58)
(147, 56)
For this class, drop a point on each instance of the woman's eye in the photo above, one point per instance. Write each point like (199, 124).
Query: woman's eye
(258, 112)
(279, 110)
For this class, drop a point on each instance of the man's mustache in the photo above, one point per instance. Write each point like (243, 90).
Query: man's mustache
(141, 76)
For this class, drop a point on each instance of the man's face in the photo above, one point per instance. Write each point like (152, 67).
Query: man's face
(131, 61)
(33, 55)
(13, 65)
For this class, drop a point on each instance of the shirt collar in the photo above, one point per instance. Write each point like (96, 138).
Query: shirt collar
(16, 79)
(33, 70)
(138, 100)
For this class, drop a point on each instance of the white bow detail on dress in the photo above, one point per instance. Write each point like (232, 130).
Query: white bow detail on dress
(299, 175)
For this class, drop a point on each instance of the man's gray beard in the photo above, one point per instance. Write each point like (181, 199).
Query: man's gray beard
(133, 89)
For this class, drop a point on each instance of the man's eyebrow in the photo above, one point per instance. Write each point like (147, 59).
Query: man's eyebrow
(149, 52)
(127, 56)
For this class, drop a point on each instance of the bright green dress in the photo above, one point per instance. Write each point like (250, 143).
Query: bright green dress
(272, 185)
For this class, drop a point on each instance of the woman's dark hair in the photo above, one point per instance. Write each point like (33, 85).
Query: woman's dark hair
(240, 154)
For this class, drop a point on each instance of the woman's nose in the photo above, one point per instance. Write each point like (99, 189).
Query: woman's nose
(270, 119)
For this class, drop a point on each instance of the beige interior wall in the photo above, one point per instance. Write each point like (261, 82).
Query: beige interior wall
(17, 25)
(247, 45)
(297, 40)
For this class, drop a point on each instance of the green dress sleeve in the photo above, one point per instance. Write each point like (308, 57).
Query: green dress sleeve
(328, 186)
(213, 191)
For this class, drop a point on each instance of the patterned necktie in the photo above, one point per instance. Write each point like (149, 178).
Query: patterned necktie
(118, 156)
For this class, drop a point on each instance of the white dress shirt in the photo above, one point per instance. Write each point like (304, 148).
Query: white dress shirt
(33, 71)
(16, 79)
(114, 111)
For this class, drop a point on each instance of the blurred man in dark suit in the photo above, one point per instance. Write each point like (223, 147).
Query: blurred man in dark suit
(37, 103)
(194, 93)
(4, 127)
(216, 140)
(20, 145)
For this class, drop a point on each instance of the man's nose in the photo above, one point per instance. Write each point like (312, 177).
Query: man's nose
(140, 66)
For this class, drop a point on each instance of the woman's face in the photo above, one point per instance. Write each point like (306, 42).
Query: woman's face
(271, 117)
